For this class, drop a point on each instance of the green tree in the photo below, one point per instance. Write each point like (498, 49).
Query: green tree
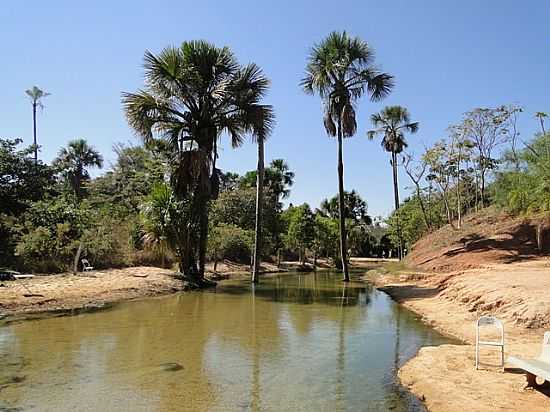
(36, 95)
(392, 123)
(229, 242)
(194, 94)
(301, 229)
(21, 180)
(73, 162)
(340, 70)
(355, 208)
(130, 180)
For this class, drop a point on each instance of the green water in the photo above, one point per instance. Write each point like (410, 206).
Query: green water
(301, 342)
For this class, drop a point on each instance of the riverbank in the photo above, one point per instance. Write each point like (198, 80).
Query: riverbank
(67, 293)
(444, 377)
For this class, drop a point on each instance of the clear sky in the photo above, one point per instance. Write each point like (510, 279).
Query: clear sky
(447, 57)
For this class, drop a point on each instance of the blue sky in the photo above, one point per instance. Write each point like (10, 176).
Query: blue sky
(447, 57)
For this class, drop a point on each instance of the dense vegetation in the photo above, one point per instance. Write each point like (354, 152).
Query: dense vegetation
(129, 215)
(165, 202)
(482, 162)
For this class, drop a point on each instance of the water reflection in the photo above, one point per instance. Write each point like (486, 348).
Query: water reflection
(294, 342)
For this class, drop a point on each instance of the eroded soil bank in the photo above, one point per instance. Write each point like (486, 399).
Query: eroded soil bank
(445, 377)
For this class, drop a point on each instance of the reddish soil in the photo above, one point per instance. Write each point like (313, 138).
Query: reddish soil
(485, 237)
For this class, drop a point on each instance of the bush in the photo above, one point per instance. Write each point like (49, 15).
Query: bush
(228, 241)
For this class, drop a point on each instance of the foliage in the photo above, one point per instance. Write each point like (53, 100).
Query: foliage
(300, 224)
(194, 94)
(21, 180)
(355, 208)
(278, 179)
(124, 188)
(228, 241)
(527, 188)
(50, 234)
(73, 160)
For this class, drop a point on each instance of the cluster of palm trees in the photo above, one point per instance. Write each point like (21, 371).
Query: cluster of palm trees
(198, 93)
(195, 94)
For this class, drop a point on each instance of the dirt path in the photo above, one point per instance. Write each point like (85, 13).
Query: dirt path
(444, 377)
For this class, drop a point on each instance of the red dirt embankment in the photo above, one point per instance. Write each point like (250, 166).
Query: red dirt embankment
(491, 266)
(486, 237)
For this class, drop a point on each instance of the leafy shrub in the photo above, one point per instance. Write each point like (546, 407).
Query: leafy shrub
(228, 241)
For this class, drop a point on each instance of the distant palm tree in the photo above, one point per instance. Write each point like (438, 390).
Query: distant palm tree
(541, 116)
(260, 172)
(73, 161)
(283, 178)
(36, 95)
(392, 123)
(340, 69)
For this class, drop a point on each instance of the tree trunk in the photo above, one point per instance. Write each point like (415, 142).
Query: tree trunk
(343, 247)
(396, 201)
(458, 206)
(315, 259)
(259, 202)
(423, 207)
(203, 236)
(77, 258)
(34, 132)
(482, 188)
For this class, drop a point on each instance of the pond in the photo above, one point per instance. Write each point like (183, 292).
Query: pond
(295, 342)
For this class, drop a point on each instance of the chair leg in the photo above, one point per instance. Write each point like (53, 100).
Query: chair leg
(502, 357)
(477, 356)
(531, 380)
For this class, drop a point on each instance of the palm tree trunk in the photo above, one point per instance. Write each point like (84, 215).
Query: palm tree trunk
(396, 201)
(343, 247)
(203, 236)
(259, 202)
(34, 132)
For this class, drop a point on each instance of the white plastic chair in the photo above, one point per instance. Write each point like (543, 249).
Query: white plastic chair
(490, 321)
(86, 265)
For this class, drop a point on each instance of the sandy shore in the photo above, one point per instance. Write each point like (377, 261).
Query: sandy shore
(444, 377)
(67, 293)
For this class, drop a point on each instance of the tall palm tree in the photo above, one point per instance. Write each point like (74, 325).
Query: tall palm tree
(193, 95)
(256, 256)
(340, 70)
(36, 95)
(74, 160)
(391, 123)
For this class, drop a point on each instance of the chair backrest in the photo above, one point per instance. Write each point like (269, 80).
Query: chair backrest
(545, 353)
(85, 263)
(490, 321)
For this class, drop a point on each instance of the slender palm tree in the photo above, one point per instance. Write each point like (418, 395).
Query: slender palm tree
(391, 123)
(541, 116)
(36, 95)
(283, 178)
(193, 95)
(74, 160)
(340, 70)
(256, 256)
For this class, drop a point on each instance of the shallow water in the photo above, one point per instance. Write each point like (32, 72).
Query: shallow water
(301, 342)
